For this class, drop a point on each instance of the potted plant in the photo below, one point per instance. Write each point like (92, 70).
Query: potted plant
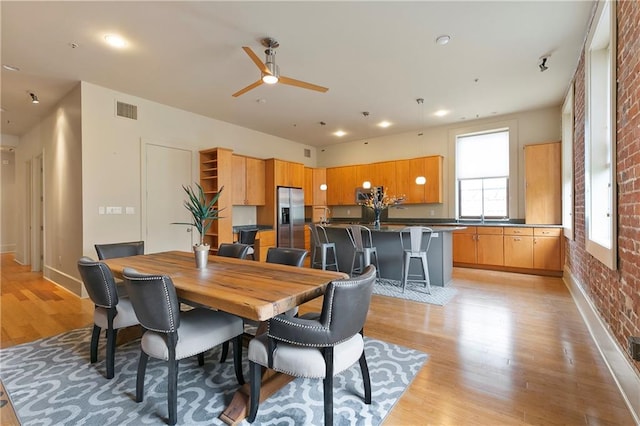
(202, 214)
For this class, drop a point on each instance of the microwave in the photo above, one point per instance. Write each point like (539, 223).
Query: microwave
(363, 194)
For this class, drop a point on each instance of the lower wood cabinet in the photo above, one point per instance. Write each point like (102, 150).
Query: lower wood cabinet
(518, 247)
(264, 240)
(509, 248)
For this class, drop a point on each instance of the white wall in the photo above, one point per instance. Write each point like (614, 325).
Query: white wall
(112, 163)
(57, 138)
(8, 208)
(538, 126)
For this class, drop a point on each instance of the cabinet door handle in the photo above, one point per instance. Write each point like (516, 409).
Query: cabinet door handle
(516, 239)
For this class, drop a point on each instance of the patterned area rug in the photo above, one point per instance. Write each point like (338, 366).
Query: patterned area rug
(414, 291)
(50, 381)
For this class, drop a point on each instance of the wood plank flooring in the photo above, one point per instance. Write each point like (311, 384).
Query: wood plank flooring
(509, 349)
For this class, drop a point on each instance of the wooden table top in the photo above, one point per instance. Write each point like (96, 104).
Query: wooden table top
(250, 289)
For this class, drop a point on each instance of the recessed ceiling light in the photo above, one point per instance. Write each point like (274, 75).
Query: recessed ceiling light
(10, 67)
(441, 113)
(116, 41)
(443, 39)
(384, 124)
(340, 133)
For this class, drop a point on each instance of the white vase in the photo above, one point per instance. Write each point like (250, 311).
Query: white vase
(202, 255)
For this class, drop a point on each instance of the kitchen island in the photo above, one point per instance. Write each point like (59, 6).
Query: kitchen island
(387, 242)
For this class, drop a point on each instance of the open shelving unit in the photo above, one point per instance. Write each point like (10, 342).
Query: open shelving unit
(215, 173)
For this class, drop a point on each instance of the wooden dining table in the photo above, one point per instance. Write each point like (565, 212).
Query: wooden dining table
(254, 290)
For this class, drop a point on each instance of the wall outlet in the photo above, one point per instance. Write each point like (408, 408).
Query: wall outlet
(130, 210)
(634, 347)
(432, 212)
(101, 210)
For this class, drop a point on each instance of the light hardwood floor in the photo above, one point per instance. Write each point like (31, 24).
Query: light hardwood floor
(509, 349)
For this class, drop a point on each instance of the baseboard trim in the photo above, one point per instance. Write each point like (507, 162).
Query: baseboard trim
(623, 372)
(64, 281)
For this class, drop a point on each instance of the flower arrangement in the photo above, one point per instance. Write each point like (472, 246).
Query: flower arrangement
(378, 201)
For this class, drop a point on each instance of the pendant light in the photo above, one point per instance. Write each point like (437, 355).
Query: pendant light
(421, 180)
(366, 184)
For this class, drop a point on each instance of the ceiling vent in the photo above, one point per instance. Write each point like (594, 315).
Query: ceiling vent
(307, 153)
(126, 110)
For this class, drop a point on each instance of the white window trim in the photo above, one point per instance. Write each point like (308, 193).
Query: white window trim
(605, 254)
(516, 185)
(567, 164)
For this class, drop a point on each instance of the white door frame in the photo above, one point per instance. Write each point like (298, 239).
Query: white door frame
(36, 214)
(143, 177)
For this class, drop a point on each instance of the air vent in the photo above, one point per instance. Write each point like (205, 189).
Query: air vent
(126, 110)
(307, 153)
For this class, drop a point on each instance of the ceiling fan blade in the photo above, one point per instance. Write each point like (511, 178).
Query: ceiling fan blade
(246, 89)
(303, 84)
(261, 66)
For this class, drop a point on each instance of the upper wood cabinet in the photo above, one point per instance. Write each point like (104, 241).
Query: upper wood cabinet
(341, 185)
(248, 181)
(385, 176)
(543, 183)
(287, 173)
(313, 178)
(408, 170)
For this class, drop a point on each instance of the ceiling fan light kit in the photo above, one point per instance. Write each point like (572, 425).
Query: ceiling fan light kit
(270, 72)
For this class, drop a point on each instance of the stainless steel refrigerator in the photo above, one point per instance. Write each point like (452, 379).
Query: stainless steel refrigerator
(290, 217)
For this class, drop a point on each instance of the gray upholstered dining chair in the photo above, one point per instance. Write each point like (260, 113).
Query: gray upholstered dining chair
(363, 248)
(248, 236)
(317, 346)
(109, 251)
(237, 250)
(172, 335)
(286, 256)
(112, 312)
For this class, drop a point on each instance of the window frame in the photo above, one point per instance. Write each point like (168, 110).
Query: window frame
(568, 122)
(600, 134)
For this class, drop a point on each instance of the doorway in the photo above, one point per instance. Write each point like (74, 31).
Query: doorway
(166, 170)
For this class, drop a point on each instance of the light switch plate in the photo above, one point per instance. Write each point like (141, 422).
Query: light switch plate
(130, 210)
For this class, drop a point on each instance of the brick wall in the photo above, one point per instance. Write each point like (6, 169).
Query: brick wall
(616, 294)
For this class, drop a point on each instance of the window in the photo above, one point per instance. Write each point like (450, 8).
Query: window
(600, 109)
(567, 164)
(482, 174)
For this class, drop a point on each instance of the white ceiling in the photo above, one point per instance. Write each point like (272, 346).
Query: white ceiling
(374, 56)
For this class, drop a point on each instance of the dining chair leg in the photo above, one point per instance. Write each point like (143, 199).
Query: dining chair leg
(201, 359)
(225, 351)
(365, 378)
(328, 386)
(112, 333)
(172, 391)
(95, 336)
(255, 377)
(142, 368)
(237, 358)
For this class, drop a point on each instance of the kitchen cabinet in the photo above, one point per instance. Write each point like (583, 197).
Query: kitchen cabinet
(341, 185)
(313, 178)
(478, 246)
(385, 175)
(248, 181)
(264, 240)
(543, 183)
(287, 173)
(408, 170)
(518, 247)
(215, 173)
(464, 246)
(511, 248)
(547, 249)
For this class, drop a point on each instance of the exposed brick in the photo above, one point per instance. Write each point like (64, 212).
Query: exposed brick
(615, 294)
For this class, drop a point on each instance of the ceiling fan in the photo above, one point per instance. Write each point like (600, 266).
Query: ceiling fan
(271, 72)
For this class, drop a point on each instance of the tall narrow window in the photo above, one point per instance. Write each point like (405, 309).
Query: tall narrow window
(567, 164)
(600, 108)
(482, 173)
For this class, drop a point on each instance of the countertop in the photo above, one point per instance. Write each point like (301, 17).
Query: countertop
(387, 227)
(445, 223)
